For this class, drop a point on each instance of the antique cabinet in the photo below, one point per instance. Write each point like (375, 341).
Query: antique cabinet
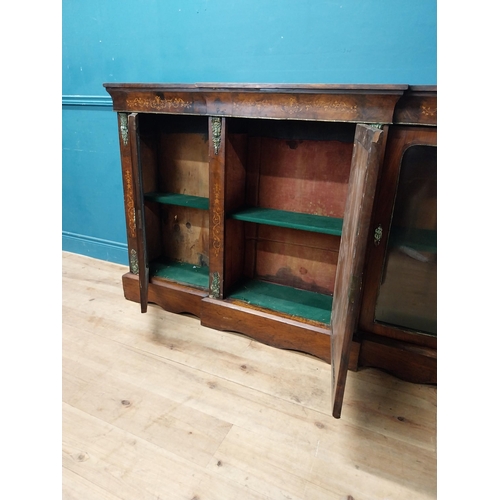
(251, 207)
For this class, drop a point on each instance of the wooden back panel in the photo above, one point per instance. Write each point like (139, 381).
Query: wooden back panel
(304, 176)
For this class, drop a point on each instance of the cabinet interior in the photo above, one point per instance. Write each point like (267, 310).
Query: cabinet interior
(286, 192)
(175, 178)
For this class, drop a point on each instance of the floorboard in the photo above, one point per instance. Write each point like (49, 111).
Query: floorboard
(156, 406)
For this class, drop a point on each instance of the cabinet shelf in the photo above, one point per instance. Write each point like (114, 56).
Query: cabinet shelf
(180, 272)
(299, 303)
(293, 220)
(182, 200)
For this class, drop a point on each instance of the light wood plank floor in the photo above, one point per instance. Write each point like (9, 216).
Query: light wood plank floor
(155, 406)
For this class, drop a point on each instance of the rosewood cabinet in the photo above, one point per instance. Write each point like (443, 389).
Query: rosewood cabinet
(252, 207)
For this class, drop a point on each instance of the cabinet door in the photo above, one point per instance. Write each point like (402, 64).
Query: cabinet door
(369, 144)
(401, 277)
(143, 266)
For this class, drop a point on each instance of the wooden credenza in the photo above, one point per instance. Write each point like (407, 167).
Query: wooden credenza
(278, 211)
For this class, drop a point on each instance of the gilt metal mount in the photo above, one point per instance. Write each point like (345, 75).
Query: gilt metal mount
(124, 127)
(134, 262)
(215, 285)
(216, 132)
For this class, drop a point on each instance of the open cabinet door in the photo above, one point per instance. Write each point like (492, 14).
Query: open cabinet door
(368, 151)
(143, 266)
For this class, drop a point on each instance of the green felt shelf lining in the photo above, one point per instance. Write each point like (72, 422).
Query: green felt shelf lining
(293, 220)
(180, 272)
(183, 200)
(298, 303)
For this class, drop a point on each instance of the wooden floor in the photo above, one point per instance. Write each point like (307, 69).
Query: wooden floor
(157, 407)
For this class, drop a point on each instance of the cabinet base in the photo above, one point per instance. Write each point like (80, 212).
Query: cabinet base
(170, 296)
(271, 329)
(266, 327)
(405, 361)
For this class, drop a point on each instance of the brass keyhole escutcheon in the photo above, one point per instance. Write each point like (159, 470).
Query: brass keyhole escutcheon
(377, 235)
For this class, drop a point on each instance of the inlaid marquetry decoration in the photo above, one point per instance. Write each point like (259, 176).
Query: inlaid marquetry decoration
(295, 106)
(134, 262)
(124, 127)
(428, 110)
(158, 103)
(292, 105)
(217, 218)
(216, 132)
(129, 202)
(215, 285)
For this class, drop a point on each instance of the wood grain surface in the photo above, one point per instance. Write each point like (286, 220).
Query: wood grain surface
(157, 407)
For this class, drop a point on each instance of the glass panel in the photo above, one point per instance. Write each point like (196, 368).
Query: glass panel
(408, 291)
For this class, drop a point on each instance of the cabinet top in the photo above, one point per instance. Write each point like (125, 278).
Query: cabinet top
(367, 103)
(248, 87)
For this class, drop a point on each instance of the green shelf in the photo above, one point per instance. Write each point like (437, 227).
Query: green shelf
(299, 303)
(180, 272)
(293, 220)
(182, 200)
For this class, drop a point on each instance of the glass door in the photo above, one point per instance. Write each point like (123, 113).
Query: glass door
(407, 296)
(400, 290)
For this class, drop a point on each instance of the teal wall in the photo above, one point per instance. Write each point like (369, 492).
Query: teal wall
(264, 41)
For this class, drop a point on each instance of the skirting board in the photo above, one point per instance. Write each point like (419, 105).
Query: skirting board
(111, 251)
